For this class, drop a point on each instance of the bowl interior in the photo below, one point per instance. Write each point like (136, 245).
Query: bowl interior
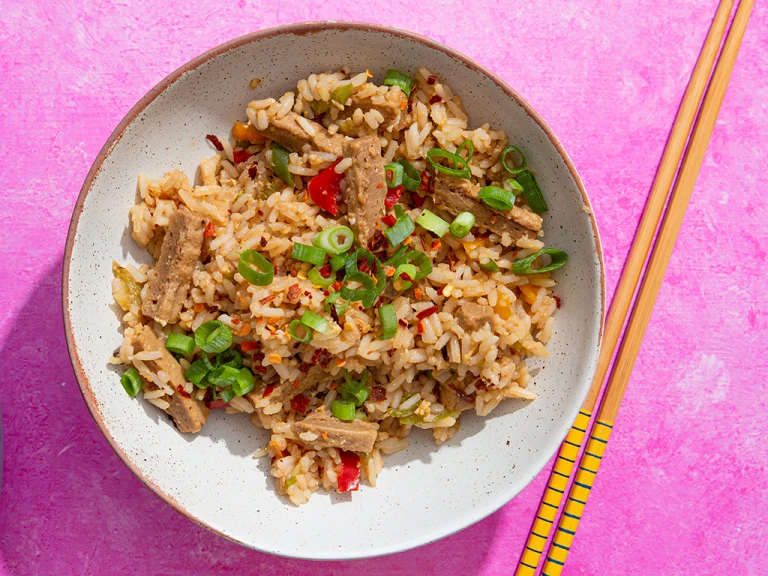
(423, 493)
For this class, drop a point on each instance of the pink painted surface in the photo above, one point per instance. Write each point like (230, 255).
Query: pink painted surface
(683, 489)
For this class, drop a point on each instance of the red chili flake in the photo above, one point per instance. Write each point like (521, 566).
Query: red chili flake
(420, 328)
(336, 286)
(320, 117)
(378, 393)
(435, 245)
(440, 291)
(252, 172)
(249, 346)
(425, 313)
(240, 156)
(380, 185)
(268, 298)
(481, 384)
(557, 301)
(362, 265)
(235, 321)
(393, 196)
(322, 357)
(263, 242)
(259, 212)
(306, 292)
(425, 182)
(300, 403)
(216, 404)
(435, 99)
(292, 271)
(377, 241)
(180, 390)
(304, 367)
(258, 357)
(215, 141)
(326, 293)
(424, 243)
(335, 315)
(209, 230)
(268, 390)
(326, 271)
(463, 395)
(418, 200)
(260, 369)
(389, 220)
(431, 79)
(417, 293)
(451, 263)
(293, 292)
(405, 276)
(403, 323)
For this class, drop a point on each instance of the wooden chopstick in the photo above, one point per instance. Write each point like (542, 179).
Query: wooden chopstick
(646, 298)
(670, 160)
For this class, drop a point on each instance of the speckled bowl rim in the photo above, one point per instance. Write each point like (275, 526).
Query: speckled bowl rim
(296, 29)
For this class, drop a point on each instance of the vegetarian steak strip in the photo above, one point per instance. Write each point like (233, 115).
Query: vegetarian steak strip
(459, 195)
(472, 316)
(189, 414)
(356, 436)
(167, 289)
(366, 187)
(391, 110)
(287, 390)
(289, 132)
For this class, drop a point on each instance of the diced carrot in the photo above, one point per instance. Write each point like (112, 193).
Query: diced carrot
(247, 132)
(503, 307)
(529, 293)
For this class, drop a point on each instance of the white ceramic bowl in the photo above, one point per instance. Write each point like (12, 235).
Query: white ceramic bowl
(423, 493)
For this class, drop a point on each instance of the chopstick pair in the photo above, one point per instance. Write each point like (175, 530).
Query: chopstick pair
(568, 456)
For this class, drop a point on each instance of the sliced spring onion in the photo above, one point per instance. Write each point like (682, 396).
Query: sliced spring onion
(404, 276)
(523, 266)
(317, 323)
(488, 265)
(342, 93)
(229, 357)
(334, 240)
(513, 186)
(131, 381)
(397, 78)
(365, 297)
(299, 331)
(388, 318)
(198, 370)
(411, 176)
(399, 211)
(402, 228)
(513, 169)
(338, 262)
(261, 277)
(223, 376)
(432, 222)
(310, 254)
(497, 198)
(423, 263)
(393, 175)
(280, 163)
(227, 395)
(318, 279)
(397, 257)
(213, 336)
(355, 391)
(435, 153)
(180, 344)
(462, 224)
(470, 149)
(410, 402)
(343, 410)
(353, 274)
(332, 301)
(244, 382)
(532, 192)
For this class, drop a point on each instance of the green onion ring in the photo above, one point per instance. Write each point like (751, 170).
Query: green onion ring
(523, 266)
(397, 78)
(532, 192)
(328, 239)
(497, 198)
(515, 169)
(470, 149)
(513, 186)
(131, 381)
(304, 253)
(435, 153)
(343, 410)
(198, 370)
(180, 343)
(393, 175)
(462, 224)
(213, 336)
(489, 265)
(295, 326)
(423, 263)
(318, 279)
(317, 323)
(432, 222)
(411, 176)
(410, 271)
(388, 318)
(261, 277)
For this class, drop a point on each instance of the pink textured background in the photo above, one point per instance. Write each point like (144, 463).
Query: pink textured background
(683, 489)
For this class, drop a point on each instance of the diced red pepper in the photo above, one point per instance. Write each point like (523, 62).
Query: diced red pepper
(389, 219)
(393, 196)
(209, 230)
(240, 156)
(216, 404)
(268, 390)
(300, 403)
(349, 475)
(426, 313)
(325, 189)
(326, 271)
